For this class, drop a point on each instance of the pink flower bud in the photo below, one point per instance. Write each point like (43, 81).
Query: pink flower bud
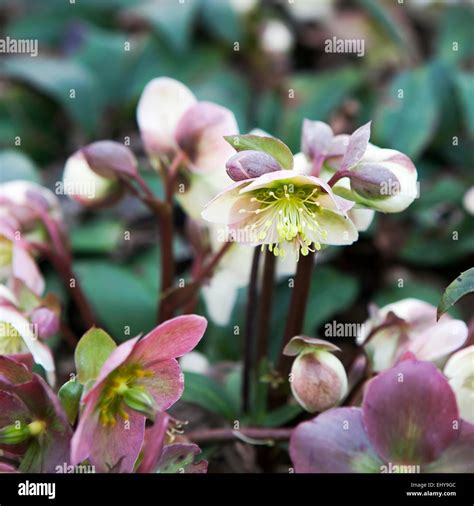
(318, 379)
(110, 159)
(250, 164)
(370, 180)
(46, 320)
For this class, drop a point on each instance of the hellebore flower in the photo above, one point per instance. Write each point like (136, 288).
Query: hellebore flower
(409, 422)
(410, 325)
(319, 380)
(281, 208)
(24, 319)
(92, 174)
(374, 178)
(33, 424)
(460, 371)
(159, 457)
(139, 379)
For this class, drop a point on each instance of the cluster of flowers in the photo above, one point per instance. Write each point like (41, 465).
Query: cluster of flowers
(292, 205)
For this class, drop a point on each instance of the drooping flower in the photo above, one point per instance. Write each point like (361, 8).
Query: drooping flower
(410, 325)
(460, 371)
(92, 174)
(283, 208)
(139, 379)
(26, 319)
(33, 425)
(319, 380)
(409, 422)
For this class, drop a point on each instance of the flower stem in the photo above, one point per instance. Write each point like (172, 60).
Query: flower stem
(165, 219)
(251, 313)
(266, 300)
(339, 175)
(230, 435)
(296, 313)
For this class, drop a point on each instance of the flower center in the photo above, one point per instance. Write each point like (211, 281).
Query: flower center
(118, 384)
(287, 214)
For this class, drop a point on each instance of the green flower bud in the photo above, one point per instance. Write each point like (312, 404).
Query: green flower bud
(12, 434)
(139, 400)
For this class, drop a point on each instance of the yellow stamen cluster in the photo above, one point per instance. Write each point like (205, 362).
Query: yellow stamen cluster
(111, 402)
(288, 214)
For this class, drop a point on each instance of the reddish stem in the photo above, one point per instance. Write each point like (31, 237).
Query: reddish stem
(340, 174)
(231, 435)
(266, 299)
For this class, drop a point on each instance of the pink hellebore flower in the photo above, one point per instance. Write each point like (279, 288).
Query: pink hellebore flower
(140, 378)
(171, 120)
(410, 325)
(408, 423)
(33, 425)
(283, 207)
(24, 320)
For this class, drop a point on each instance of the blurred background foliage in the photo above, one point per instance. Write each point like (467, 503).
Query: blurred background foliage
(265, 61)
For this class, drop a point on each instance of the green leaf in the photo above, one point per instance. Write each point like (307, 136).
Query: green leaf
(406, 122)
(208, 394)
(98, 236)
(314, 96)
(282, 415)
(16, 165)
(124, 303)
(460, 287)
(455, 36)
(69, 83)
(465, 84)
(170, 19)
(92, 351)
(221, 19)
(70, 395)
(270, 145)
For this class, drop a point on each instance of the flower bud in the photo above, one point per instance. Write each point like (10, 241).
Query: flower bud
(12, 435)
(141, 401)
(85, 185)
(250, 164)
(110, 159)
(384, 180)
(46, 320)
(200, 134)
(163, 102)
(319, 380)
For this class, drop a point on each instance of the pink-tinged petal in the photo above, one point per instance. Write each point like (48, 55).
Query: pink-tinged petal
(200, 134)
(115, 359)
(338, 145)
(25, 268)
(356, 147)
(40, 352)
(153, 444)
(440, 340)
(53, 448)
(166, 385)
(7, 468)
(13, 372)
(108, 447)
(161, 106)
(457, 458)
(299, 343)
(110, 159)
(179, 458)
(281, 177)
(335, 203)
(339, 228)
(316, 138)
(171, 339)
(12, 408)
(224, 207)
(333, 442)
(410, 413)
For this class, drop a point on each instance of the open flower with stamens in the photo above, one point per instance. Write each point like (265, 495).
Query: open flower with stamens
(139, 379)
(33, 425)
(281, 209)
